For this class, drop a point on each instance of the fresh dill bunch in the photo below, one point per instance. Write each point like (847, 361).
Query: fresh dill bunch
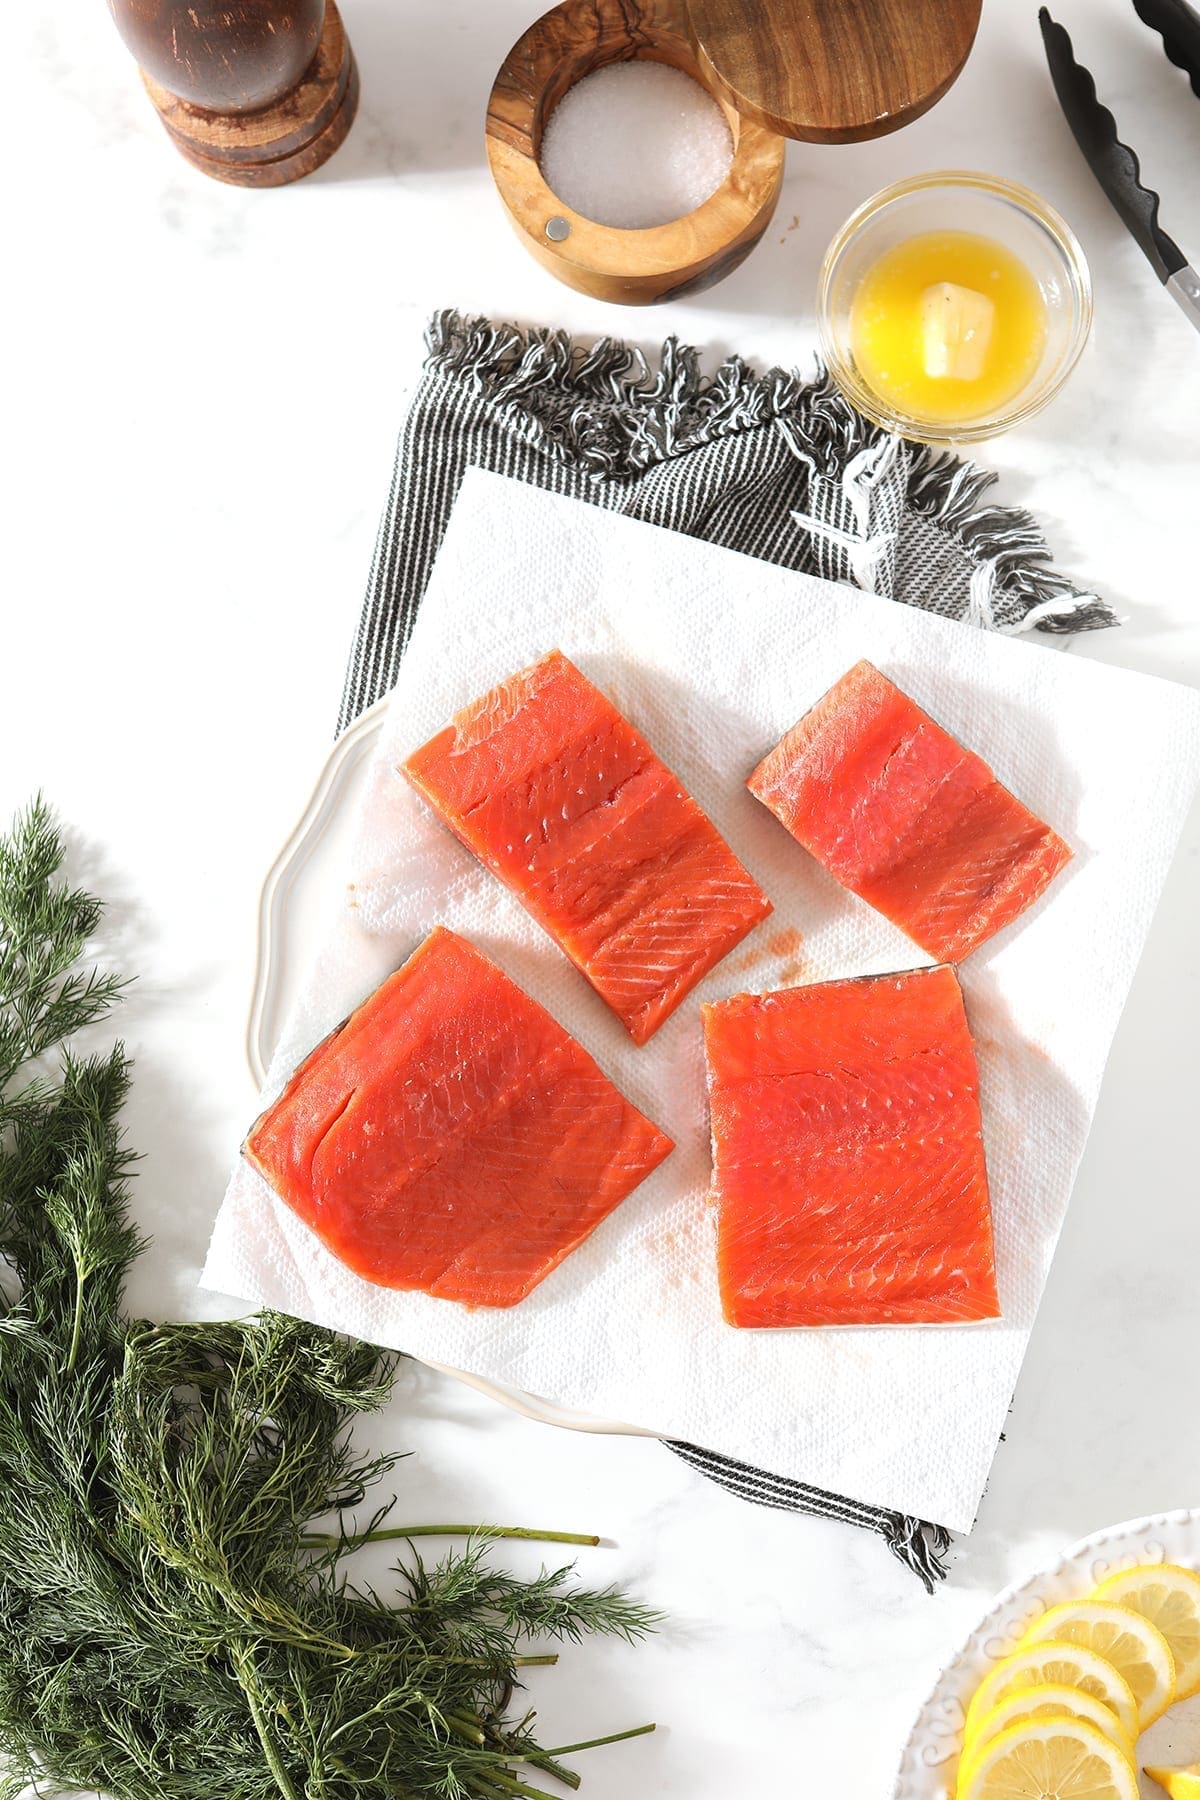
(172, 1626)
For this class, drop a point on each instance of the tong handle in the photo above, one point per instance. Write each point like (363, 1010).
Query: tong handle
(1184, 284)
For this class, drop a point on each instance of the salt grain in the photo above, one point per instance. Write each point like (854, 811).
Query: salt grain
(636, 144)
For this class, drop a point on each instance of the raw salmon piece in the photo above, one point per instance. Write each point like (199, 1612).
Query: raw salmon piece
(903, 816)
(560, 797)
(451, 1136)
(848, 1155)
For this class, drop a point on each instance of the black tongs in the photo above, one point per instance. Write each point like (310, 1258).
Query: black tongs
(1113, 163)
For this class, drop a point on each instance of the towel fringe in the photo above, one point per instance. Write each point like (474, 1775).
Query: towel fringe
(917, 1543)
(949, 493)
(611, 411)
(920, 1546)
(608, 409)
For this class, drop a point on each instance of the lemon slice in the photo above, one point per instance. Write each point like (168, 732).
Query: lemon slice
(1170, 1598)
(1047, 1700)
(1050, 1759)
(1181, 1784)
(1135, 1648)
(1057, 1665)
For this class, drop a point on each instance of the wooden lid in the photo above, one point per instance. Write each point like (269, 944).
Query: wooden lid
(832, 71)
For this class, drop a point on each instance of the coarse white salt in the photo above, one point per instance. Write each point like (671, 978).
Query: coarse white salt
(636, 144)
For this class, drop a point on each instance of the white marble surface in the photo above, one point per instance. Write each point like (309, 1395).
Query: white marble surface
(201, 392)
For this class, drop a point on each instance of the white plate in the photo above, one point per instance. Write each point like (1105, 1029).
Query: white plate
(532, 1406)
(630, 1329)
(929, 1765)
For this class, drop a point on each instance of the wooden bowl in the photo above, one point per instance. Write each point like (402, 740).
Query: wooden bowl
(635, 268)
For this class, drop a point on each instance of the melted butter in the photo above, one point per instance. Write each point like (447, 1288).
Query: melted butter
(889, 326)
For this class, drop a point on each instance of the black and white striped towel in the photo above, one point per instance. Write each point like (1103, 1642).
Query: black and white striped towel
(769, 464)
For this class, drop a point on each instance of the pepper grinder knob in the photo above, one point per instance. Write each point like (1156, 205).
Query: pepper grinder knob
(253, 92)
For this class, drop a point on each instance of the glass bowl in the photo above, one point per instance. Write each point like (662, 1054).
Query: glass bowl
(958, 200)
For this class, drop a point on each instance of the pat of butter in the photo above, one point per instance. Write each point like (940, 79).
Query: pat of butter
(956, 329)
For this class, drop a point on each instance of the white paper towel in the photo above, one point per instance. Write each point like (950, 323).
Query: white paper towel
(714, 655)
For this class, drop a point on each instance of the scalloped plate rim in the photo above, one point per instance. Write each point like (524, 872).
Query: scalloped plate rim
(914, 1781)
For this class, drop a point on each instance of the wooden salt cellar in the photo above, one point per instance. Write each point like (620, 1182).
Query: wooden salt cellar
(252, 92)
(634, 267)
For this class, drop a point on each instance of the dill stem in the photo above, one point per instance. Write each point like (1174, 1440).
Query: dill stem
(483, 1783)
(325, 1540)
(517, 1662)
(616, 1737)
(77, 1333)
(546, 1765)
(464, 1728)
(242, 1662)
(506, 1784)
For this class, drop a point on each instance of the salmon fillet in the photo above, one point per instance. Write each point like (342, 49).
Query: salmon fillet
(905, 817)
(451, 1136)
(849, 1174)
(559, 796)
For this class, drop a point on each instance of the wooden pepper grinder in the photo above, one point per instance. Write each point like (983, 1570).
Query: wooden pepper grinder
(253, 92)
